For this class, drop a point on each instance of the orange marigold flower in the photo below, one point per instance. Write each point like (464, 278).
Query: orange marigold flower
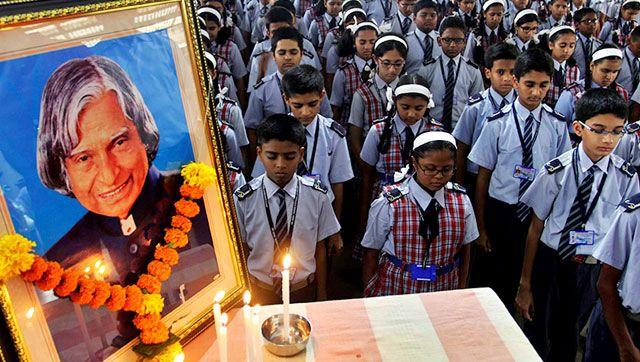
(146, 321)
(51, 277)
(159, 270)
(84, 294)
(187, 208)
(155, 335)
(167, 255)
(149, 283)
(101, 294)
(133, 303)
(68, 284)
(38, 268)
(192, 192)
(176, 238)
(181, 222)
(117, 298)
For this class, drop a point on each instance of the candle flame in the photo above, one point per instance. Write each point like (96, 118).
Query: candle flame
(219, 296)
(246, 297)
(102, 269)
(224, 319)
(30, 312)
(256, 309)
(286, 263)
(87, 270)
(179, 357)
(97, 264)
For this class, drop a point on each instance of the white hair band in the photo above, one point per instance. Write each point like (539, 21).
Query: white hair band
(212, 59)
(630, 1)
(488, 3)
(606, 53)
(347, 13)
(365, 24)
(205, 34)
(386, 38)
(524, 13)
(415, 89)
(556, 29)
(211, 11)
(433, 136)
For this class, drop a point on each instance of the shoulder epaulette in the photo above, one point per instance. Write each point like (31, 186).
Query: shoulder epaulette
(393, 195)
(553, 166)
(632, 203)
(227, 124)
(628, 169)
(497, 115)
(572, 85)
(632, 127)
(258, 84)
(343, 65)
(307, 53)
(475, 99)
(260, 53)
(429, 61)
(244, 191)
(314, 184)
(471, 63)
(435, 122)
(229, 100)
(338, 128)
(557, 115)
(231, 166)
(455, 187)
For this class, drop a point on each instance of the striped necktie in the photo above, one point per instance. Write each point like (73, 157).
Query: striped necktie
(447, 110)
(281, 229)
(576, 220)
(522, 210)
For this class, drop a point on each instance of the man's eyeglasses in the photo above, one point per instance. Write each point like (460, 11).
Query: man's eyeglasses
(457, 41)
(603, 132)
(432, 171)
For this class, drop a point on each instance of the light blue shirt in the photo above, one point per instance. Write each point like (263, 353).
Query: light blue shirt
(339, 81)
(473, 116)
(625, 77)
(331, 163)
(567, 102)
(417, 45)
(581, 48)
(379, 89)
(499, 149)
(551, 196)
(620, 248)
(629, 148)
(375, 10)
(379, 233)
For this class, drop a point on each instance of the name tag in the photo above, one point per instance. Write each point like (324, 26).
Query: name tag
(582, 237)
(428, 273)
(276, 272)
(524, 173)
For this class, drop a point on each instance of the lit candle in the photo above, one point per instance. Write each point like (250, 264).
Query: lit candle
(222, 337)
(248, 334)
(285, 296)
(256, 332)
(217, 312)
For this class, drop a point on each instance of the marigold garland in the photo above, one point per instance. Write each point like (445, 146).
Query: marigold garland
(17, 258)
(169, 354)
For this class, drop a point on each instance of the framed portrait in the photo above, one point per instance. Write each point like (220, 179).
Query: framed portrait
(102, 104)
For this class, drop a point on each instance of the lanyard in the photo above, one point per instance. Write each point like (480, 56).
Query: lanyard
(455, 78)
(586, 214)
(292, 222)
(424, 49)
(315, 145)
(286, 108)
(428, 241)
(586, 52)
(631, 67)
(535, 136)
(386, 8)
(496, 107)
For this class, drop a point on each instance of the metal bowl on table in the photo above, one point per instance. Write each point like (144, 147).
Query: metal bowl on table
(274, 337)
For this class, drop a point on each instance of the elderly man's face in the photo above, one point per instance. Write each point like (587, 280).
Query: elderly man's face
(109, 165)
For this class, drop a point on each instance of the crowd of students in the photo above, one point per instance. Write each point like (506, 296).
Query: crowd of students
(442, 145)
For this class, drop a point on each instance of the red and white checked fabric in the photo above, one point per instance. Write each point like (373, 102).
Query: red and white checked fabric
(233, 176)
(323, 29)
(577, 89)
(571, 75)
(225, 112)
(224, 50)
(351, 83)
(410, 247)
(303, 6)
(222, 76)
(373, 108)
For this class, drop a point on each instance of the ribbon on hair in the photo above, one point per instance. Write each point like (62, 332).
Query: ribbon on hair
(402, 174)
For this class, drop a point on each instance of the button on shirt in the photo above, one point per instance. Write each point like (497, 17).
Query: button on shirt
(498, 147)
(332, 163)
(379, 233)
(417, 44)
(473, 118)
(315, 221)
(620, 248)
(551, 196)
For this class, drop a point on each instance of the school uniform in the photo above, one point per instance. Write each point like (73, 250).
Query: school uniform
(617, 31)
(620, 249)
(470, 19)
(477, 45)
(582, 53)
(567, 102)
(255, 10)
(550, 22)
(563, 75)
(348, 78)
(499, 148)
(521, 46)
(232, 150)
(398, 24)
(308, 218)
(225, 78)
(394, 229)
(629, 145)
(263, 49)
(231, 53)
(424, 47)
(380, 10)
(326, 155)
(229, 112)
(236, 178)
(302, 6)
(369, 103)
(577, 199)
(400, 145)
(267, 99)
(629, 75)
(460, 76)
(509, 16)
(330, 51)
(319, 28)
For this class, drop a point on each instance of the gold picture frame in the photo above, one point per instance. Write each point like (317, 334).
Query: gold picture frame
(42, 33)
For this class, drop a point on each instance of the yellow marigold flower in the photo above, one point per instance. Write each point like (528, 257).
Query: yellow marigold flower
(198, 175)
(152, 303)
(16, 255)
(169, 354)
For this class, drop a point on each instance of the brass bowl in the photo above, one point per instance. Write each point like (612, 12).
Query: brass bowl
(274, 341)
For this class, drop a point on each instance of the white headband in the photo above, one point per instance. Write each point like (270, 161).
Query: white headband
(346, 14)
(556, 29)
(211, 11)
(205, 34)
(365, 24)
(606, 53)
(488, 3)
(523, 13)
(415, 89)
(212, 59)
(386, 38)
(344, 4)
(630, 1)
(432, 136)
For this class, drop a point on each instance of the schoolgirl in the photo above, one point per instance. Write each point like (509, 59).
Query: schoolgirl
(488, 32)
(525, 27)
(617, 30)
(352, 13)
(225, 79)
(326, 19)
(560, 42)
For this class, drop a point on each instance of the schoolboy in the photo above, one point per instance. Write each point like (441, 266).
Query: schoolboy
(423, 41)
(558, 10)
(280, 212)
(402, 21)
(585, 21)
(629, 76)
(452, 77)
(573, 199)
(267, 98)
(513, 145)
(327, 157)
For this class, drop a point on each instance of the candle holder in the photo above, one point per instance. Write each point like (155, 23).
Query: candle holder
(274, 341)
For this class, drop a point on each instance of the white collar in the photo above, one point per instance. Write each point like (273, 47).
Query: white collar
(278, 74)
(629, 53)
(271, 187)
(420, 34)
(401, 125)
(445, 60)
(359, 62)
(311, 127)
(327, 17)
(520, 43)
(498, 98)
(401, 17)
(523, 113)
(489, 31)
(586, 163)
(422, 197)
(380, 84)
(128, 225)
(557, 65)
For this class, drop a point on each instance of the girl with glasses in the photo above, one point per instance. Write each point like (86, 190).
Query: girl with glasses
(525, 27)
